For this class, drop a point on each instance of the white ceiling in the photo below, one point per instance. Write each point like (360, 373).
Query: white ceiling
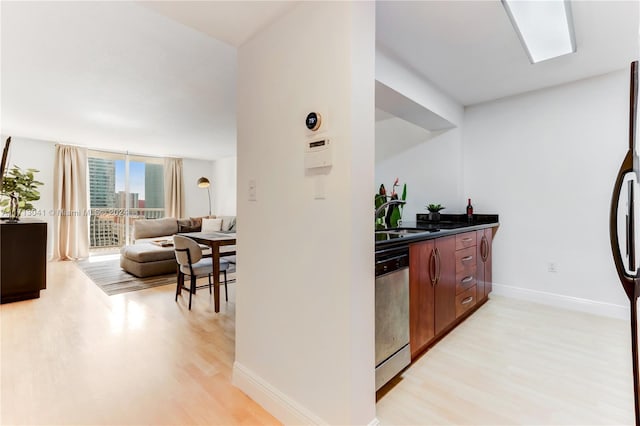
(233, 22)
(118, 76)
(159, 77)
(470, 50)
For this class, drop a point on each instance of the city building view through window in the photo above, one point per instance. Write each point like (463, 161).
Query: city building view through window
(122, 189)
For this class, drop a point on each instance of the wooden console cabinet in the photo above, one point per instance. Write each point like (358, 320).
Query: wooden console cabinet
(449, 277)
(23, 260)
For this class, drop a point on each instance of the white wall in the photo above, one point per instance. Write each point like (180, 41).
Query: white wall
(36, 154)
(305, 305)
(225, 186)
(222, 175)
(196, 199)
(432, 171)
(403, 80)
(546, 162)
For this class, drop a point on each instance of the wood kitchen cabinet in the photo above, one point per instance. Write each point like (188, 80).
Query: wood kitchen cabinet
(445, 288)
(422, 259)
(432, 290)
(484, 259)
(449, 278)
(466, 272)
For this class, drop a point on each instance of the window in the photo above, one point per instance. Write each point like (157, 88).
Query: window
(122, 188)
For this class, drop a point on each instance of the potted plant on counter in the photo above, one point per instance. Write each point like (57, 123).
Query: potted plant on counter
(434, 211)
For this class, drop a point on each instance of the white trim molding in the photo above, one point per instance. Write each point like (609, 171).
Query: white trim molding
(561, 301)
(282, 407)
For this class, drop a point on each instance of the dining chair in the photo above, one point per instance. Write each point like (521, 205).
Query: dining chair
(191, 262)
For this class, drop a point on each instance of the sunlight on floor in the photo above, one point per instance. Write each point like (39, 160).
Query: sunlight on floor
(93, 258)
(126, 315)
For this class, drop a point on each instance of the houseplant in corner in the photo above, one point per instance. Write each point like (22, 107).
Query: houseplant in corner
(434, 211)
(21, 188)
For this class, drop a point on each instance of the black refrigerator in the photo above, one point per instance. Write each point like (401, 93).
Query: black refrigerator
(622, 230)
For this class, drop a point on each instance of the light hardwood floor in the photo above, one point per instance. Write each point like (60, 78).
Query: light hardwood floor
(516, 362)
(77, 356)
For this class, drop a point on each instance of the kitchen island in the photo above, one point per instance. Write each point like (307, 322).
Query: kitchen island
(449, 277)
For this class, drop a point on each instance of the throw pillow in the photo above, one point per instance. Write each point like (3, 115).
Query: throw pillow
(197, 221)
(184, 222)
(211, 225)
(228, 222)
(186, 228)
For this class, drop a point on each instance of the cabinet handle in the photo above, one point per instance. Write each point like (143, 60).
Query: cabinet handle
(467, 279)
(484, 246)
(437, 265)
(466, 258)
(433, 267)
(467, 300)
(467, 239)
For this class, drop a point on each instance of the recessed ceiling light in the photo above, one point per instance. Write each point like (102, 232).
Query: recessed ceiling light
(545, 27)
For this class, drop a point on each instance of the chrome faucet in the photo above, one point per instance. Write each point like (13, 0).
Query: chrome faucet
(385, 205)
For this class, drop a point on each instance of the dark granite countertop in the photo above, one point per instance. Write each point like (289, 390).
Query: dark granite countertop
(423, 229)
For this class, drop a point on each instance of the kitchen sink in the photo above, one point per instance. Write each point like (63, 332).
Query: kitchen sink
(399, 232)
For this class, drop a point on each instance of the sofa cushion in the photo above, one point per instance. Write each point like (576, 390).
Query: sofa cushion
(228, 223)
(185, 228)
(147, 228)
(184, 222)
(152, 239)
(197, 221)
(147, 253)
(211, 225)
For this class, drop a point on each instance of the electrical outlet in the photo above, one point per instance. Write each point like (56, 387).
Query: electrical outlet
(552, 267)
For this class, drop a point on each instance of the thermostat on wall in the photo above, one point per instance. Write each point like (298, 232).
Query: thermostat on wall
(313, 121)
(317, 154)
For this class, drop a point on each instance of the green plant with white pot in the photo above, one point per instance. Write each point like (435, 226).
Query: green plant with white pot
(22, 187)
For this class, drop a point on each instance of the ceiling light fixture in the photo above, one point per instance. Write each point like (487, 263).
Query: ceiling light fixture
(545, 27)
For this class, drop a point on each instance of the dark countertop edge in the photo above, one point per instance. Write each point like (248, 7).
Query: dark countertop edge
(460, 218)
(423, 236)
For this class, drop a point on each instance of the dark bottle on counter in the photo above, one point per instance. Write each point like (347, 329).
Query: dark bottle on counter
(469, 211)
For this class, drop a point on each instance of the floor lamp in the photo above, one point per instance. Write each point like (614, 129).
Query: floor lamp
(203, 182)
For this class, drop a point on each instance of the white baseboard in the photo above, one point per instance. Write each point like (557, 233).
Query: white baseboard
(282, 407)
(567, 302)
(285, 409)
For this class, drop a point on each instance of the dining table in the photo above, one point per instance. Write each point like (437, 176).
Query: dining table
(215, 240)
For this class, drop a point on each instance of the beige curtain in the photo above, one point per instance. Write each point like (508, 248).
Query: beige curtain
(173, 188)
(70, 198)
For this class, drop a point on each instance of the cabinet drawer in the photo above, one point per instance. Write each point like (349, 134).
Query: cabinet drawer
(466, 259)
(468, 239)
(465, 301)
(465, 280)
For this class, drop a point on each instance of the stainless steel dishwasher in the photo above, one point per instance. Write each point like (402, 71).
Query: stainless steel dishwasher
(392, 313)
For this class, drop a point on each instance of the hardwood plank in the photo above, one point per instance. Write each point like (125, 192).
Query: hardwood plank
(515, 362)
(78, 356)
